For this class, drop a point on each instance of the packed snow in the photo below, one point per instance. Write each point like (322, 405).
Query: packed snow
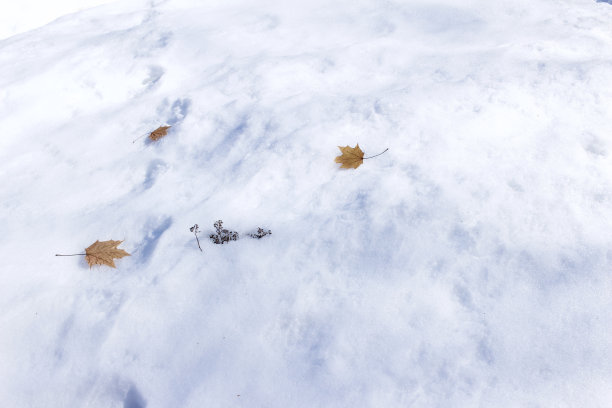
(470, 265)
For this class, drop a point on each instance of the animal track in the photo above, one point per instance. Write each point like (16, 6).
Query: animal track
(156, 167)
(155, 74)
(152, 42)
(154, 229)
(134, 399)
(174, 113)
(178, 111)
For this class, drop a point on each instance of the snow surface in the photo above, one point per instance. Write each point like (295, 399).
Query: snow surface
(470, 265)
(19, 16)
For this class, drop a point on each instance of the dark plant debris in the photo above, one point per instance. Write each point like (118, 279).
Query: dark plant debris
(196, 230)
(223, 235)
(260, 233)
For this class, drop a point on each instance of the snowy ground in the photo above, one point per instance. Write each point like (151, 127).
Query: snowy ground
(470, 265)
(20, 16)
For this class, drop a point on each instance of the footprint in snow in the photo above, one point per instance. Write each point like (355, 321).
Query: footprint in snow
(153, 231)
(155, 73)
(174, 113)
(156, 168)
(134, 399)
(178, 111)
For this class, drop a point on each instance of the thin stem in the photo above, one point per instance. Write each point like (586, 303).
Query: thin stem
(69, 255)
(196, 235)
(376, 154)
(140, 137)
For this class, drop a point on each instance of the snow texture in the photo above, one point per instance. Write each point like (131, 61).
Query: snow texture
(470, 265)
(20, 16)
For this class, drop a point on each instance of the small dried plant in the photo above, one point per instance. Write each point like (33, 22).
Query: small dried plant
(196, 230)
(260, 233)
(223, 235)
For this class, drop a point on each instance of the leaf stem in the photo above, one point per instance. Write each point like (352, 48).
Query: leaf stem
(69, 255)
(140, 137)
(376, 154)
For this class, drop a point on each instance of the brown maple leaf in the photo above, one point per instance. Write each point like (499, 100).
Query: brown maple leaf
(159, 133)
(103, 253)
(351, 157)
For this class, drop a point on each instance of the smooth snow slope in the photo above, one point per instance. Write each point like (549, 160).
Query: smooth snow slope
(20, 16)
(468, 266)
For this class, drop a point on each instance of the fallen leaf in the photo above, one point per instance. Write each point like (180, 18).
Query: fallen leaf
(351, 157)
(159, 133)
(102, 253)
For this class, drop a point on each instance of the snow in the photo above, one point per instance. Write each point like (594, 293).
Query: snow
(25, 15)
(467, 266)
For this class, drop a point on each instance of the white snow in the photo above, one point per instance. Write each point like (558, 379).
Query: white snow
(20, 16)
(470, 265)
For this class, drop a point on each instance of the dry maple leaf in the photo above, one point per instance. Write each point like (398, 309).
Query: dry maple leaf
(159, 133)
(351, 157)
(103, 253)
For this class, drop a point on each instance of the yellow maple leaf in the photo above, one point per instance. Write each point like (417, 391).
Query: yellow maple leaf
(159, 133)
(351, 157)
(103, 253)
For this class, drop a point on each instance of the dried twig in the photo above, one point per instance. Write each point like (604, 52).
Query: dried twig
(223, 235)
(260, 233)
(196, 230)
